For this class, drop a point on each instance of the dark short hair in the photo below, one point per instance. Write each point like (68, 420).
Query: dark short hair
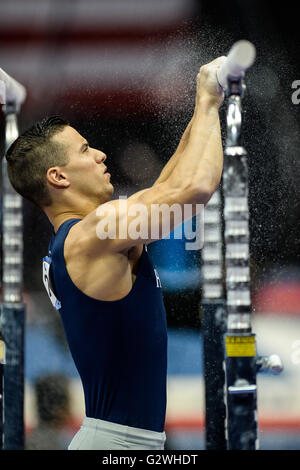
(31, 155)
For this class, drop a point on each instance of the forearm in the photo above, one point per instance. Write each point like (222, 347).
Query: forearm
(197, 164)
(200, 160)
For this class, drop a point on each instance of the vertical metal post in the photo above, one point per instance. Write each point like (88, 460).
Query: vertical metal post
(2, 361)
(240, 347)
(213, 325)
(12, 308)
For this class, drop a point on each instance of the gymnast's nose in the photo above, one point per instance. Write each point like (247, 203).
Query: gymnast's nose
(100, 156)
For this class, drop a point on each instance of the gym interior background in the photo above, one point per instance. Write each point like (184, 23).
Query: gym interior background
(123, 72)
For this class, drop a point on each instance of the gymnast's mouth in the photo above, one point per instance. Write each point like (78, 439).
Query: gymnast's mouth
(105, 172)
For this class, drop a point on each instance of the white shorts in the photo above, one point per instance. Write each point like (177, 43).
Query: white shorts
(96, 434)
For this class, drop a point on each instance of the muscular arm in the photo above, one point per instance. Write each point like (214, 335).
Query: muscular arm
(190, 177)
(191, 143)
(201, 160)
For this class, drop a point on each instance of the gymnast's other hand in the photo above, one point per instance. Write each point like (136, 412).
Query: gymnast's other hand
(207, 83)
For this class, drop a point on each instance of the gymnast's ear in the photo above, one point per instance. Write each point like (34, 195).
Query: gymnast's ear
(57, 178)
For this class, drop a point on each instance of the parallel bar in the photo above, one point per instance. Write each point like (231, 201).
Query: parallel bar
(240, 348)
(241, 403)
(240, 57)
(213, 325)
(13, 323)
(11, 91)
(12, 308)
(2, 362)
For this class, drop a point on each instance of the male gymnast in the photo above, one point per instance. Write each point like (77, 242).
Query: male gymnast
(105, 288)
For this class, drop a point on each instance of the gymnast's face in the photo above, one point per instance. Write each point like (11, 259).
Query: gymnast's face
(86, 173)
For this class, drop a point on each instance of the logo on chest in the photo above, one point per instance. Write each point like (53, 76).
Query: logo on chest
(158, 283)
(47, 283)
